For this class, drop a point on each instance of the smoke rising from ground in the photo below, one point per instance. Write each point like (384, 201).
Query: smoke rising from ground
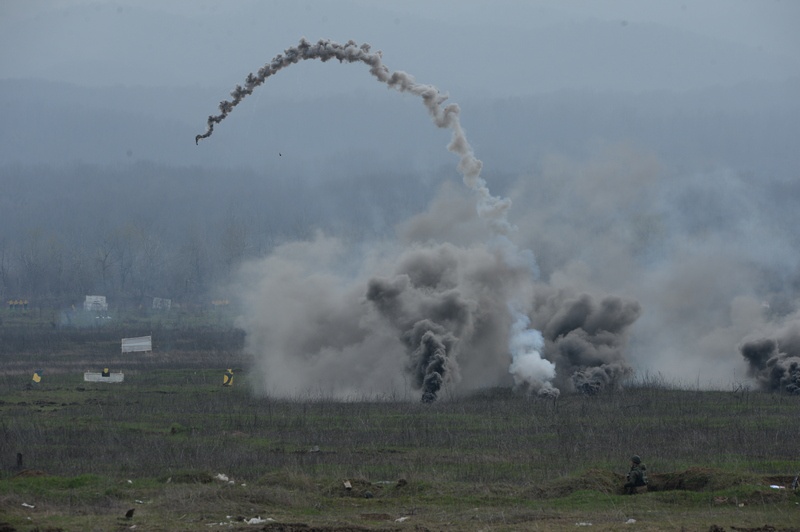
(639, 266)
(449, 307)
(528, 368)
(393, 320)
(585, 338)
(404, 318)
(774, 360)
(709, 256)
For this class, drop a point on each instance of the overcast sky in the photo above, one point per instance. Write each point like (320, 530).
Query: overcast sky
(508, 47)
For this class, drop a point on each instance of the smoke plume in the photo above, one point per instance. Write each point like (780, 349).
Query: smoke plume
(447, 306)
(774, 362)
(584, 337)
(528, 367)
(455, 303)
(710, 256)
(414, 317)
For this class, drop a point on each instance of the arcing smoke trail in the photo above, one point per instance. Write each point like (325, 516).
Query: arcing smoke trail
(445, 301)
(491, 208)
(430, 344)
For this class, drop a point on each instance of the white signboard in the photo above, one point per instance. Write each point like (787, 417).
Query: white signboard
(141, 343)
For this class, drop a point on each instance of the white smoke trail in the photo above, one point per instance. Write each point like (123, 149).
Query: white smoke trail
(492, 209)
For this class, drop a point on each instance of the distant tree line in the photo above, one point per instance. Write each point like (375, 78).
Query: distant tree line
(133, 230)
(136, 232)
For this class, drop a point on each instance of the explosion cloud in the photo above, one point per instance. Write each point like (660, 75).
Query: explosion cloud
(426, 313)
(446, 305)
(585, 338)
(775, 362)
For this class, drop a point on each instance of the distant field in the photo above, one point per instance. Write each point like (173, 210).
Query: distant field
(157, 442)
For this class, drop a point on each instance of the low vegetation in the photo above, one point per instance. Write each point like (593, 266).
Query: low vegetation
(185, 453)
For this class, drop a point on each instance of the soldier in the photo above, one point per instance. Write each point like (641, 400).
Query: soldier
(637, 476)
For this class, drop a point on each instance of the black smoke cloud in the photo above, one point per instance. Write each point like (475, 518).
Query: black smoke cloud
(774, 363)
(448, 308)
(585, 336)
(430, 345)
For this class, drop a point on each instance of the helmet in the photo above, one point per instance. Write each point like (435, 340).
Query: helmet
(635, 459)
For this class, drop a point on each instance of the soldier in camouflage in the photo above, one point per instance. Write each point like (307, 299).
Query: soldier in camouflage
(637, 476)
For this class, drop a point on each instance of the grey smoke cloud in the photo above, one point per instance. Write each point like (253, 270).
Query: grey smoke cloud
(774, 361)
(701, 263)
(448, 306)
(692, 257)
(585, 337)
(396, 320)
(709, 256)
(420, 317)
(423, 313)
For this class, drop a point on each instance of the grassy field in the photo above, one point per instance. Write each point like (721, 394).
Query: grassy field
(186, 453)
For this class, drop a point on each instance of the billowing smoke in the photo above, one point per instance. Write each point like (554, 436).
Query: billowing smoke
(528, 368)
(447, 306)
(431, 345)
(414, 316)
(450, 305)
(775, 362)
(585, 338)
(709, 256)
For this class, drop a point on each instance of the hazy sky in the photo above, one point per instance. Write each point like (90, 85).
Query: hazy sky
(467, 47)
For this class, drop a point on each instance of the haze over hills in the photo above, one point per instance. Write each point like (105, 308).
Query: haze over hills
(114, 82)
(748, 127)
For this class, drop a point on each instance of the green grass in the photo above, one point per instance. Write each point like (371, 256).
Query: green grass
(491, 461)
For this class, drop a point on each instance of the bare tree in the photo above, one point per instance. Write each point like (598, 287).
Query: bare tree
(4, 271)
(191, 268)
(234, 240)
